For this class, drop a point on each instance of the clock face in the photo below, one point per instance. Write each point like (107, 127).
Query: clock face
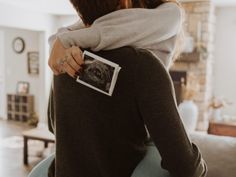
(18, 45)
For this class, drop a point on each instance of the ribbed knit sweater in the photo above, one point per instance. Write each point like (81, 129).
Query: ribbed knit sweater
(103, 136)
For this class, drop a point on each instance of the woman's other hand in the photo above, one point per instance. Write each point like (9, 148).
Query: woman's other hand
(64, 60)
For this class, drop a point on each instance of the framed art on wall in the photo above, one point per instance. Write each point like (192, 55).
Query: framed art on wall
(33, 63)
(22, 87)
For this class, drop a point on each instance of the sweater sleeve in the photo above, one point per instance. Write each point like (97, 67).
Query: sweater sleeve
(128, 27)
(76, 26)
(157, 105)
(50, 113)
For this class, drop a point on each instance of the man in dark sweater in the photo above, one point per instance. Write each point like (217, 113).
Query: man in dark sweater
(103, 136)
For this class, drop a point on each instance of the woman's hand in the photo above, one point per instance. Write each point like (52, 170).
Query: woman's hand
(64, 60)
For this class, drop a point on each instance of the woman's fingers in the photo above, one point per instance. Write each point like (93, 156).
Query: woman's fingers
(71, 67)
(69, 70)
(77, 55)
(54, 68)
(73, 61)
(60, 70)
(70, 63)
(57, 54)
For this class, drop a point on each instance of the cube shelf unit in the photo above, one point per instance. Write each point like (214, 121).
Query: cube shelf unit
(19, 107)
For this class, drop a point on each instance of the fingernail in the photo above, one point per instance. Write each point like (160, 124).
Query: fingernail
(79, 71)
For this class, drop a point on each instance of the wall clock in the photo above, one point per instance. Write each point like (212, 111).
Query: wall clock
(18, 45)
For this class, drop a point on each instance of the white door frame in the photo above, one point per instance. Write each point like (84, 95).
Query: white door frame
(3, 110)
(45, 78)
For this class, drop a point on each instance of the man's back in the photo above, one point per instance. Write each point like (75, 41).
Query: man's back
(102, 136)
(98, 133)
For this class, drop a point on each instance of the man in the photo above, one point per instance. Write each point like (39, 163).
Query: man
(101, 136)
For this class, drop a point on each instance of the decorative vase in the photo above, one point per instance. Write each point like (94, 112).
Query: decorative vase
(216, 114)
(189, 113)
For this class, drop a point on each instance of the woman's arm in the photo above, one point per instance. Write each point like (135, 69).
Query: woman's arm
(127, 27)
(142, 28)
(76, 26)
(157, 105)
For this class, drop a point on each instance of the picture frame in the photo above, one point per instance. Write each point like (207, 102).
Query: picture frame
(22, 87)
(33, 63)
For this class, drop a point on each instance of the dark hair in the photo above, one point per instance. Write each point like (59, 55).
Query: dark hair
(151, 4)
(90, 10)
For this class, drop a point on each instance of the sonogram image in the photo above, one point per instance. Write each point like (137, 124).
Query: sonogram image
(97, 73)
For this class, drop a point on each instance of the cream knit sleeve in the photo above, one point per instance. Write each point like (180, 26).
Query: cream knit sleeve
(127, 27)
(76, 26)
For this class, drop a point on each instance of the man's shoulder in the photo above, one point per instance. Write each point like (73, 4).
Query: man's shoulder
(122, 51)
(133, 59)
(130, 54)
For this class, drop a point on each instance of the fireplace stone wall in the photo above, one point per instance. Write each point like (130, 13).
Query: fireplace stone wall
(199, 24)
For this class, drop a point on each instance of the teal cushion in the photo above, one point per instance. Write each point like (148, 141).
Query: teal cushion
(148, 167)
(41, 170)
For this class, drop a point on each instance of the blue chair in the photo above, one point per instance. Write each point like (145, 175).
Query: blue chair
(41, 170)
(148, 167)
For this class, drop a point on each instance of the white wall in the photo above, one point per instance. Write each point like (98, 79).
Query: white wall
(225, 56)
(16, 64)
(45, 25)
(63, 21)
(2, 77)
(13, 17)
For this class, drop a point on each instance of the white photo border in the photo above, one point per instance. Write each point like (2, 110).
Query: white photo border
(114, 77)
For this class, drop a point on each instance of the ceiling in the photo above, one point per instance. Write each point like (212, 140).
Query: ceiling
(63, 7)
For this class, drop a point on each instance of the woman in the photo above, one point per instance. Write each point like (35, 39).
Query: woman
(157, 29)
(105, 136)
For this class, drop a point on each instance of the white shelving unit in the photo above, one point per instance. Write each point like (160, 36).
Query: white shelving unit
(19, 107)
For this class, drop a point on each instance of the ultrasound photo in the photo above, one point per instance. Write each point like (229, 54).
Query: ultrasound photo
(98, 73)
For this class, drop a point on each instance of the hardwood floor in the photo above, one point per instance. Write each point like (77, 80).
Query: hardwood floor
(11, 151)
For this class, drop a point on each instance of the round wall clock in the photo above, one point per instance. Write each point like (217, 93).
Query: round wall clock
(18, 45)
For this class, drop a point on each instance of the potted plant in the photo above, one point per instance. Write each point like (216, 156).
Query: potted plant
(33, 120)
(216, 106)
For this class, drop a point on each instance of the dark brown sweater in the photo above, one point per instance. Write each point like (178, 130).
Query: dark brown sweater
(102, 136)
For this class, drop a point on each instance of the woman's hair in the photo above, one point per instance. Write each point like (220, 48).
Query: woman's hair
(151, 4)
(92, 10)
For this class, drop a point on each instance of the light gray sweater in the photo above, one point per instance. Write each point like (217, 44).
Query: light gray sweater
(152, 29)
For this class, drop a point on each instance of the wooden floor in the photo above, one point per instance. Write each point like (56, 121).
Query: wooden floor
(11, 159)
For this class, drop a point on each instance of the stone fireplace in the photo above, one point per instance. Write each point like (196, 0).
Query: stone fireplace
(199, 24)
